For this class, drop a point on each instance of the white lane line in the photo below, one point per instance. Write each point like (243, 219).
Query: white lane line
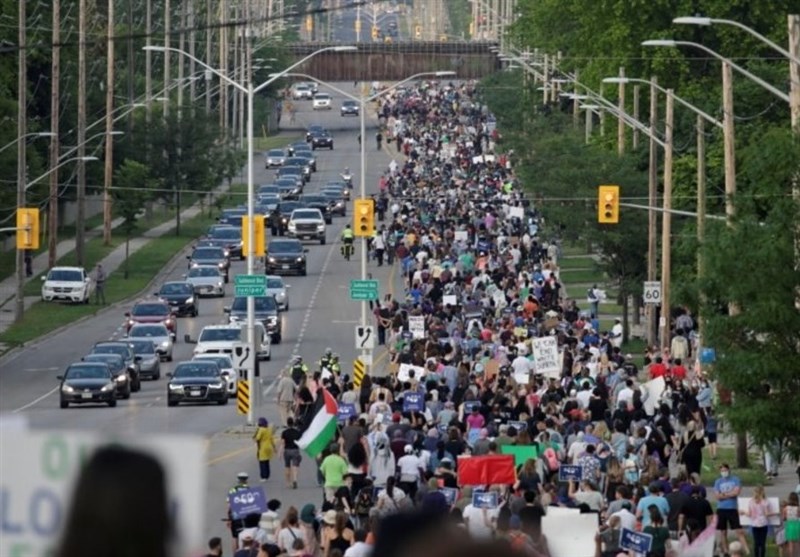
(43, 369)
(36, 401)
(345, 322)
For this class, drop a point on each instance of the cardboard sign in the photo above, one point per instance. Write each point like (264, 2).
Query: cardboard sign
(469, 405)
(403, 372)
(416, 326)
(774, 505)
(40, 472)
(450, 494)
(519, 426)
(516, 212)
(546, 359)
(346, 411)
(653, 389)
(570, 472)
(570, 535)
(450, 300)
(638, 542)
(413, 402)
(461, 236)
(485, 500)
(250, 500)
(521, 453)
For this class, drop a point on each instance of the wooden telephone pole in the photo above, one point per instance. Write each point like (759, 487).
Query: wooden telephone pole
(109, 151)
(80, 219)
(55, 86)
(22, 127)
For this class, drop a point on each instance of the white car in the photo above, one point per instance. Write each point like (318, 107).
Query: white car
(71, 284)
(275, 157)
(302, 91)
(307, 224)
(277, 288)
(322, 101)
(158, 334)
(226, 368)
(222, 339)
(207, 280)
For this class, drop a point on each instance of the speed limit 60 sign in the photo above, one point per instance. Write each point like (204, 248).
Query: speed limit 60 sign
(652, 292)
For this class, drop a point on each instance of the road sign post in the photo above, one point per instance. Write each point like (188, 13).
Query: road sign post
(652, 292)
(243, 397)
(363, 290)
(365, 338)
(359, 370)
(250, 286)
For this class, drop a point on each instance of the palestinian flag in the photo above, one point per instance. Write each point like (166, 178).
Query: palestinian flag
(322, 429)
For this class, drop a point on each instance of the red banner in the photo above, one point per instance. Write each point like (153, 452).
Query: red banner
(486, 470)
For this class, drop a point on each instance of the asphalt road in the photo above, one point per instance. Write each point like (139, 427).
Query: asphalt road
(321, 315)
(344, 23)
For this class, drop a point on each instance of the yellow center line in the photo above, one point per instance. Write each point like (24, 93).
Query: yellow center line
(226, 456)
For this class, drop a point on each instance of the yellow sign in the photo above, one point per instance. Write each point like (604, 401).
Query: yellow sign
(608, 204)
(27, 228)
(260, 236)
(359, 369)
(309, 23)
(243, 396)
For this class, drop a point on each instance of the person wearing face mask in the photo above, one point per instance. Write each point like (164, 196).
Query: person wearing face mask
(727, 489)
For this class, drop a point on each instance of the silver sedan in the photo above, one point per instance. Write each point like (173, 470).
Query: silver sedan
(279, 289)
(158, 334)
(207, 280)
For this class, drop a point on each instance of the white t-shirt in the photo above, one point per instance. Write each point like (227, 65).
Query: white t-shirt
(626, 519)
(476, 524)
(286, 539)
(625, 395)
(521, 365)
(409, 465)
(358, 549)
(583, 399)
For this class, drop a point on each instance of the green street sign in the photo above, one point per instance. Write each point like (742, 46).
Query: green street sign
(363, 289)
(250, 286)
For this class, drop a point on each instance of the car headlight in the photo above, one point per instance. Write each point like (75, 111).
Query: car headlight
(272, 259)
(221, 264)
(121, 378)
(165, 343)
(216, 386)
(299, 259)
(320, 227)
(194, 264)
(220, 284)
(226, 252)
(175, 387)
(108, 387)
(292, 226)
(67, 389)
(189, 300)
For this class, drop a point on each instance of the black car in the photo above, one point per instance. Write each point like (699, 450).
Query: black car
(287, 173)
(210, 255)
(312, 129)
(349, 108)
(125, 351)
(87, 383)
(266, 311)
(307, 155)
(290, 149)
(180, 297)
(231, 238)
(123, 380)
(321, 139)
(302, 164)
(232, 217)
(285, 255)
(196, 381)
(337, 199)
(316, 201)
(285, 208)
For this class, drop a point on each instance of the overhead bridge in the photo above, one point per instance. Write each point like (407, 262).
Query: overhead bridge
(397, 61)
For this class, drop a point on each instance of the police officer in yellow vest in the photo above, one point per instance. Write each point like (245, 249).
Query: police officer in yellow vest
(347, 241)
(236, 524)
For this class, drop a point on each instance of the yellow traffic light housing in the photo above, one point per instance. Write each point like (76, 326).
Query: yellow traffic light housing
(260, 236)
(608, 204)
(364, 217)
(374, 31)
(27, 228)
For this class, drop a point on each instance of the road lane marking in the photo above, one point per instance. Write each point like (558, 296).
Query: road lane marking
(226, 456)
(42, 369)
(35, 401)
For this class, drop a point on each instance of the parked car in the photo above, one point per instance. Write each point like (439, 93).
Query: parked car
(196, 381)
(70, 284)
(180, 296)
(206, 280)
(307, 224)
(157, 334)
(87, 383)
(349, 108)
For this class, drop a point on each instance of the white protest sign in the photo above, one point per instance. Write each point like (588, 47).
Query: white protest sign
(570, 535)
(522, 377)
(450, 300)
(40, 469)
(461, 236)
(774, 513)
(403, 373)
(516, 212)
(546, 359)
(653, 389)
(416, 326)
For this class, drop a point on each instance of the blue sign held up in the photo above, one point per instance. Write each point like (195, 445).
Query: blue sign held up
(708, 356)
(519, 426)
(468, 406)
(450, 494)
(346, 411)
(413, 402)
(638, 542)
(570, 472)
(485, 500)
(249, 500)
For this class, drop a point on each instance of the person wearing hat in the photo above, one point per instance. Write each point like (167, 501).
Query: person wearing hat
(236, 524)
(265, 447)
(411, 471)
(334, 533)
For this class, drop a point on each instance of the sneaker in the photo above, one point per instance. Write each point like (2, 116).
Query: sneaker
(263, 479)
(294, 485)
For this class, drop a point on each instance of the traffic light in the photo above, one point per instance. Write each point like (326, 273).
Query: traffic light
(364, 217)
(374, 31)
(608, 204)
(260, 236)
(27, 228)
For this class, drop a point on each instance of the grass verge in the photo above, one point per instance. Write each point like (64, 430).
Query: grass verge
(581, 262)
(274, 142)
(754, 475)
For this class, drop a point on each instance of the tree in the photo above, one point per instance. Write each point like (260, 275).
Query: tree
(132, 188)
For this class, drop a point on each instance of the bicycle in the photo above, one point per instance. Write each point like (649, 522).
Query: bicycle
(348, 249)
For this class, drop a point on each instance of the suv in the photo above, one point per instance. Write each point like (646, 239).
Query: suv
(302, 91)
(310, 131)
(321, 139)
(285, 255)
(301, 163)
(67, 283)
(266, 313)
(322, 101)
(307, 224)
(222, 339)
(208, 255)
(318, 201)
(349, 108)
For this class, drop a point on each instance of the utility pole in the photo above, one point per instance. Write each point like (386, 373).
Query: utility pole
(207, 81)
(794, 75)
(223, 66)
(652, 194)
(620, 120)
(666, 232)
(192, 66)
(109, 154)
(167, 54)
(148, 59)
(701, 222)
(576, 104)
(546, 79)
(635, 141)
(80, 218)
(55, 87)
(22, 155)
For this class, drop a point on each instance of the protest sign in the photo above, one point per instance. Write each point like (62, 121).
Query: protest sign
(570, 535)
(450, 300)
(487, 470)
(485, 500)
(519, 426)
(346, 411)
(546, 360)
(249, 500)
(450, 495)
(570, 473)
(638, 542)
(413, 402)
(416, 326)
(406, 372)
(521, 453)
(653, 390)
(461, 236)
(773, 515)
(516, 212)
(39, 473)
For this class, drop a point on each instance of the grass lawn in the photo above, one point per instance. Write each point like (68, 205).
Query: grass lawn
(274, 142)
(586, 262)
(749, 476)
(595, 277)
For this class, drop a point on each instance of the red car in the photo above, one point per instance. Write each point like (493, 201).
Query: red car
(152, 312)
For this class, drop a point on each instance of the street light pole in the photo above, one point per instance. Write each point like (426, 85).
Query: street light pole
(666, 231)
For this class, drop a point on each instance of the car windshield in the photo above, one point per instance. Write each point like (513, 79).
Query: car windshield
(114, 361)
(274, 283)
(349, 103)
(65, 275)
(262, 303)
(231, 233)
(120, 350)
(150, 309)
(148, 331)
(208, 253)
(87, 372)
(285, 247)
(219, 335)
(143, 347)
(176, 288)
(224, 362)
(275, 153)
(196, 369)
(204, 272)
(305, 215)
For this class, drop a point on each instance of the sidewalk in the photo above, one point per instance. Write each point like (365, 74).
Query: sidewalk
(110, 263)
